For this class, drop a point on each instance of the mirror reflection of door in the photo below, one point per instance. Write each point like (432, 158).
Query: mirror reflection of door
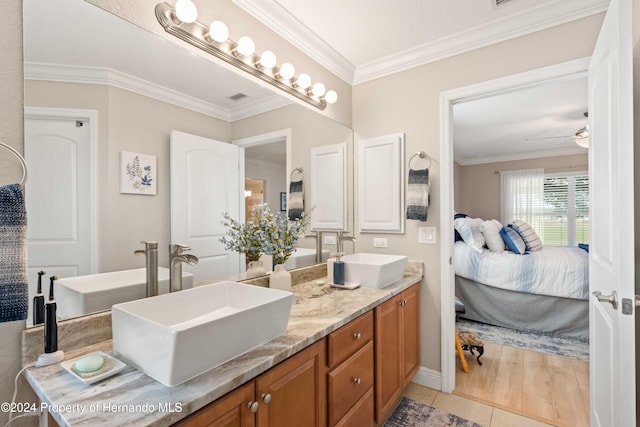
(253, 194)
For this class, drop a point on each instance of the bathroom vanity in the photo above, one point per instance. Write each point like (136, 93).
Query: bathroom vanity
(344, 360)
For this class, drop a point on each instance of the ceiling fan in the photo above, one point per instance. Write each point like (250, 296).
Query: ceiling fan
(581, 137)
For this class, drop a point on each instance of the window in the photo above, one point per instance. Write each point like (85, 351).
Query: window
(566, 210)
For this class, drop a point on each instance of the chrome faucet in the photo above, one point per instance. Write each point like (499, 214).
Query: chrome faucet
(318, 237)
(176, 258)
(150, 251)
(341, 239)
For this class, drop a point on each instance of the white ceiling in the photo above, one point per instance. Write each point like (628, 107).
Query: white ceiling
(358, 40)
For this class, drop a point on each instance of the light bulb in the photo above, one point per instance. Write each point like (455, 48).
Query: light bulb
(303, 81)
(246, 46)
(331, 97)
(318, 89)
(186, 11)
(287, 71)
(268, 59)
(218, 31)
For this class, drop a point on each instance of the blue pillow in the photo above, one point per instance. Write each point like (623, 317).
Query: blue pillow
(513, 240)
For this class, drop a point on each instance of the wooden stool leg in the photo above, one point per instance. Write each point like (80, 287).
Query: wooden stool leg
(463, 361)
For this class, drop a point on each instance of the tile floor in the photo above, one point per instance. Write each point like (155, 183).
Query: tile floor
(480, 413)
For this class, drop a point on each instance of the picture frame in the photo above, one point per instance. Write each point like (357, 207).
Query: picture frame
(138, 173)
(283, 201)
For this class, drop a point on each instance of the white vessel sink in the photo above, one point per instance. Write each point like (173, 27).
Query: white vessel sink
(81, 295)
(373, 270)
(302, 257)
(175, 337)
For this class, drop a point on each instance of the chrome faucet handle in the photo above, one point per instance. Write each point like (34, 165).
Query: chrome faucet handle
(178, 248)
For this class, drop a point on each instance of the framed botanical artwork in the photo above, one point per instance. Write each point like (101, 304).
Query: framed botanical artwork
(138, 173)
(283, 202)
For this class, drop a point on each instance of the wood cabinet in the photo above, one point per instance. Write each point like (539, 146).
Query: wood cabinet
(291, 393)
(351, 376)
(397, 348)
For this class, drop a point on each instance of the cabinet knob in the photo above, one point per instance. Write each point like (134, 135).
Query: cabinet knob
(357, 381)
(253, 407)
(357, 335)
(266, 397)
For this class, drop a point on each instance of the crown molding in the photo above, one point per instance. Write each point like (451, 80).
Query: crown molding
(279, 20)
(510, 27)
(520, 156)
(110, 77)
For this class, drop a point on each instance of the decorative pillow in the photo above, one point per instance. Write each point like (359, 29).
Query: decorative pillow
(528, 234)
(513, 240)
(491, 233)
(469, 229)
(456, 235)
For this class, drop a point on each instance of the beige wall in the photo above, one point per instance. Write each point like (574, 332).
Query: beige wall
(409, 102)
(477, 187)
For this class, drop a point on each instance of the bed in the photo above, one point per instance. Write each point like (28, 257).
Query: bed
(543, 291)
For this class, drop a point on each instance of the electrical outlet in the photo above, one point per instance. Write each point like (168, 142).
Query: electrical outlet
(427, 235)
(380, 242)
(330, 240)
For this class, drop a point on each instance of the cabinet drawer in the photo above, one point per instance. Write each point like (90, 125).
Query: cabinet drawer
(349, 382)
(362, 413)
(349, 338)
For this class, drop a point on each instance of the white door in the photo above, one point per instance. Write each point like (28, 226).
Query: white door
(59, 197)
(205, 183)
(611, 266)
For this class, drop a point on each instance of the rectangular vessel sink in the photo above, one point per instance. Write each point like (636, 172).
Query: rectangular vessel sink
(373, 270)
(302, 257)
(81, 295)
(176, 337)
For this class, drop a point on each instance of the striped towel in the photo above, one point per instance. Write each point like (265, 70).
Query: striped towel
(14, 288)
(295, 200)
(418, 194)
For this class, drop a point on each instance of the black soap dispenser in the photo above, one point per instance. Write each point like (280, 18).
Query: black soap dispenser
(38, 302)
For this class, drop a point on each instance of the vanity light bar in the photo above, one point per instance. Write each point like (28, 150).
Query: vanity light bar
(196, 34)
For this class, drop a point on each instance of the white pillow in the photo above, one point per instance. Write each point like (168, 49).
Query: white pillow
(491, 232)
(469, 229)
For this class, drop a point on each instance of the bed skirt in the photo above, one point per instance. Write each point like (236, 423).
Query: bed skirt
(510, 309)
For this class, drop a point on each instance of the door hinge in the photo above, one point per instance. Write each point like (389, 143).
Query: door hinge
(450, 260)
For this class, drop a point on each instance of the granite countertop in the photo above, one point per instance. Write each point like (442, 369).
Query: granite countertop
(133, 398)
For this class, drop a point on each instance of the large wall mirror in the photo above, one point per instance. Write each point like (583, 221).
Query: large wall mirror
(96, 81)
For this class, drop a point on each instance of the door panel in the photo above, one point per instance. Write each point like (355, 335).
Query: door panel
(205, 183)
(611, 255)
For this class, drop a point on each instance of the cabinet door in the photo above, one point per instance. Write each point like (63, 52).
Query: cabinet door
(233, 410)
(294, 393)
(387, 344)
(410, 310)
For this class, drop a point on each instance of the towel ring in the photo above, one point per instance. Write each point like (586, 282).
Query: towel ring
(422, 155)
(300, 170)
(23, 162)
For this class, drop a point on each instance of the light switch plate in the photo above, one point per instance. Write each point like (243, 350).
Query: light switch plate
(330, 240)
(380, 242)
(427, 235)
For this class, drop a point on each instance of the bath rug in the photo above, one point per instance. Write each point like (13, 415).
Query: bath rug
(410, 413)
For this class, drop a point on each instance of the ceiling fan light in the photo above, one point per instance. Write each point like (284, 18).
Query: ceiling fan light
(583, 142)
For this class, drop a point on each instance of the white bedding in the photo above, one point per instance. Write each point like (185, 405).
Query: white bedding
(560, 271)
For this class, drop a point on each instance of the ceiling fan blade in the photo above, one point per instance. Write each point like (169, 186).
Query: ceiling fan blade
(549, 137)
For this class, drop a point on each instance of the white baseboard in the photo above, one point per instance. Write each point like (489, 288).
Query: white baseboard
(428, 378)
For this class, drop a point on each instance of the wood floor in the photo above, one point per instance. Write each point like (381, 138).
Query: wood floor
(549, 388)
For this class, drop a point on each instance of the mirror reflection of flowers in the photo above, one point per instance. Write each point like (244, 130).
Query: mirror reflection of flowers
(265, 233)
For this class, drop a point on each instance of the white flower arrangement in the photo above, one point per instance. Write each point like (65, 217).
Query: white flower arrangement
(265, 233)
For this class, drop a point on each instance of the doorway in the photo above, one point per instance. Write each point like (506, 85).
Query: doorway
(254, 190)
(448, 100)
